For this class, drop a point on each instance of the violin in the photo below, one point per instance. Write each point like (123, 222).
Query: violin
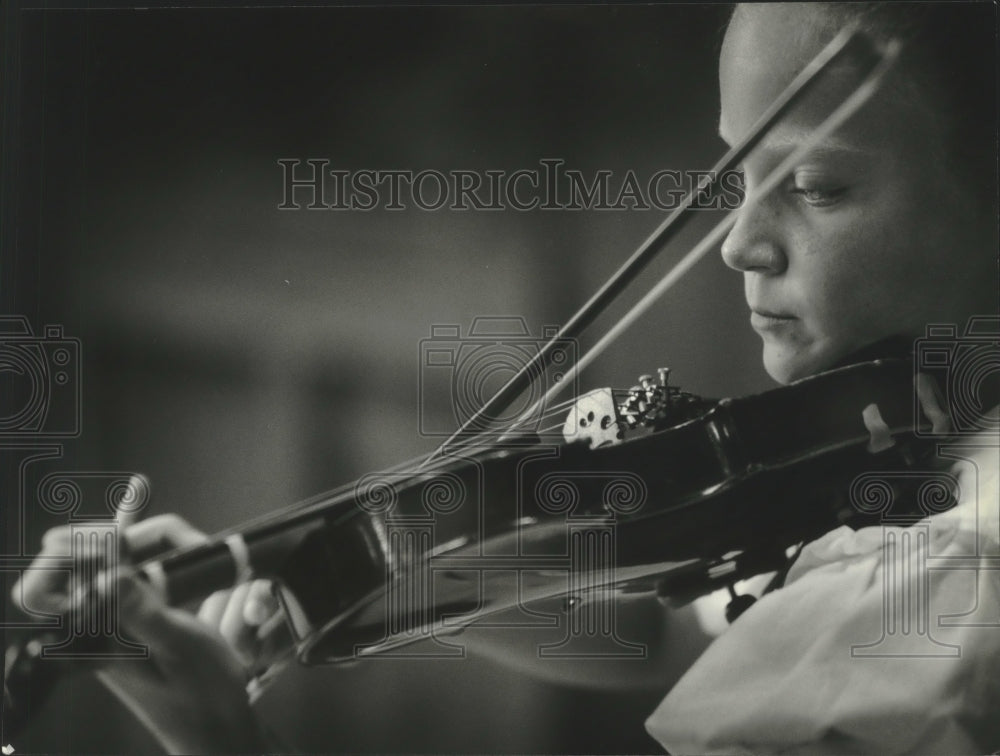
(650, 500)
(651, 489)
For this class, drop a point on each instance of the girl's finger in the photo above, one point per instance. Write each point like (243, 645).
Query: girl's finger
(231, 625)
(161, 533)
(260, 604)
(211, 610)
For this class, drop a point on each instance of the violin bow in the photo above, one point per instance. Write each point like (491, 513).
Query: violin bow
(864, 91)
(848, 40)
(306, 510)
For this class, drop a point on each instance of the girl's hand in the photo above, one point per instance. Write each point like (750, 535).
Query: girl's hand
(190, 693)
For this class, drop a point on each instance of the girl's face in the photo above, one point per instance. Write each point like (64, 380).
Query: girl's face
(865, 239)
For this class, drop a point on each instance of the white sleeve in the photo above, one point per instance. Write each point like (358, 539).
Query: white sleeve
(883, 640)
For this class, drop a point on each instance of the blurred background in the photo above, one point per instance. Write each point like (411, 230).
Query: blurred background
(244, 357)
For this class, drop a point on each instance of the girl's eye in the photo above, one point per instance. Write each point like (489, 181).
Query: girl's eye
(818, 195)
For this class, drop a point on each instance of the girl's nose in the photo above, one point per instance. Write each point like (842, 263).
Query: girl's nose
(752, 244)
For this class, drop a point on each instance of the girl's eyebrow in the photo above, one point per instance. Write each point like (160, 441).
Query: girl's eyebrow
(784, 140)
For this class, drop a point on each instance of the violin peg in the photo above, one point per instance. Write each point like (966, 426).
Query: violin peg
(646, 381)
(664, 373)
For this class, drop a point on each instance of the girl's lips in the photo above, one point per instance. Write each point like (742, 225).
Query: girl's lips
(764, 320)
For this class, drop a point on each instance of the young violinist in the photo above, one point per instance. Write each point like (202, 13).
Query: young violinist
(885, 227)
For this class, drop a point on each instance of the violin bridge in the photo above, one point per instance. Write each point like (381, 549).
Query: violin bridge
(595, 420)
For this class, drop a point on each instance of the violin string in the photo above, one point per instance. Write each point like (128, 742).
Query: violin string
(549, 429)
(616, 395)
(410, 466)
(316, 501)
(523, 423)
(555, 412)
(851, 104)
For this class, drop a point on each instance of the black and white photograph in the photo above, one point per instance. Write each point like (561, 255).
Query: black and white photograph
(500, 378)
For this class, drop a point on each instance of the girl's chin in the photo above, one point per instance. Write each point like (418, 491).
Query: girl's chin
(785, 364)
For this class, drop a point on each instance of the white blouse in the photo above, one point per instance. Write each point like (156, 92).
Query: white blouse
(883, 640)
